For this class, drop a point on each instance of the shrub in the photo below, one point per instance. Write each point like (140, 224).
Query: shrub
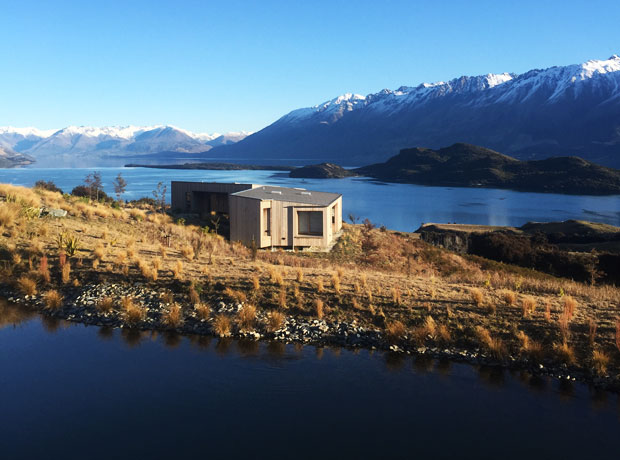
(173, 317)
(247, 317)
(53, 299)
(27, 285)
(221, 325)
(47, 185)
(275, 321)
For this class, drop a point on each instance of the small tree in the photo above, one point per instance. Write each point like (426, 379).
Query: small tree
(94, 184)
(160, 195)
(120, 185)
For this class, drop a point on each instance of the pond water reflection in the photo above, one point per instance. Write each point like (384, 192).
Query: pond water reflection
(85, 392)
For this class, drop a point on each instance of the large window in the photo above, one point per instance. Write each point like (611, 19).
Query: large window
(310, 223)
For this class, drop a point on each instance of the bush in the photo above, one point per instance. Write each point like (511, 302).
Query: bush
(47, 185)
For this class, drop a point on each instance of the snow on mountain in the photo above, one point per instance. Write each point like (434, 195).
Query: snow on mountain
(573, 109)
(109, 141)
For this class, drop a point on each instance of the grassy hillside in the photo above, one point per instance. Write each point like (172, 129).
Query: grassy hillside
(406, 292)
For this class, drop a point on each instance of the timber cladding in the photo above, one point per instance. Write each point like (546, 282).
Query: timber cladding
(270, 216)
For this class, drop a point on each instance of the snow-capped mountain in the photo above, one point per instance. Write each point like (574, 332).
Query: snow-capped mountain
(93, 143)
(570, 110)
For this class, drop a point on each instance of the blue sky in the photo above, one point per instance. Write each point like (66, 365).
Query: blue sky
(234, 65)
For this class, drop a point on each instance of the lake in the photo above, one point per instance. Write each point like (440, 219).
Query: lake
(397, 206)
(70, 391)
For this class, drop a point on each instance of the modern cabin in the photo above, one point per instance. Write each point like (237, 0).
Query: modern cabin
(270, 216)
(203, 197)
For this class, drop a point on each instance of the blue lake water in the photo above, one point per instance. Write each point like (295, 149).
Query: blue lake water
(398, 206)
(70, 391)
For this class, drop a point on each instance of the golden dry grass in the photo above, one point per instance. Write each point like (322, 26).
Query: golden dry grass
(202, 311)
(275, 321)
(27, 285)
(105, 305)
(53, 299)
(246, 317)
(173, 317)
(600, 362)
(222, 325)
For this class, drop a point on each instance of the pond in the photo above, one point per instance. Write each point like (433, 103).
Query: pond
(71, 391)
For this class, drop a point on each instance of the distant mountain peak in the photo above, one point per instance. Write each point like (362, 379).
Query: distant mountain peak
(560, 110)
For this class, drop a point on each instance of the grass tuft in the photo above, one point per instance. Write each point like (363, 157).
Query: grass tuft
(53, 299)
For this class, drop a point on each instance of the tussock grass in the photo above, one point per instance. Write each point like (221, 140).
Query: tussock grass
(173, 317)
(246, 318)
(395, 331)
(600, 362)
(53, 299)
(592, 327)
(255, 283)
(320, 288)
(477, 296)
(299, 275)
(133, 313)
(202, 311)
(27, 285)
(105, 305)
(494, 345)
(564, 352)
(275, 321)
(569, 305)
(528, 305)
(319, 308)
(336, 283)
(508, 296)
(222, 325)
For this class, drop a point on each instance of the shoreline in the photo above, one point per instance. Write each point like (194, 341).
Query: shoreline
(79, 307)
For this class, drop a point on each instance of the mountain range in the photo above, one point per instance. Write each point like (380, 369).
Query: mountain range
(94, 144)
(570, 110)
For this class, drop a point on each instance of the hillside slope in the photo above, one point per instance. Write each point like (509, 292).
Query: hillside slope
(570, 110)
(465, 165)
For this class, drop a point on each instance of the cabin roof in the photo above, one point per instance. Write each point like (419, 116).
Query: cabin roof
(294, 195)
